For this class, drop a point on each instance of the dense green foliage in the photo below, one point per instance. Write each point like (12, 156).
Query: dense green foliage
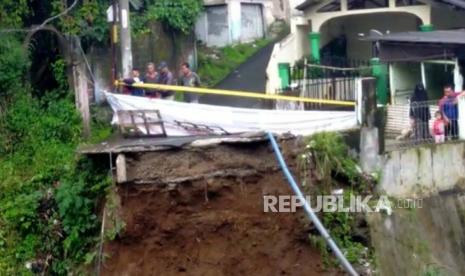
(179, 15)
(216, 63)
(88, 20)
(335, 168)
(331, 155)
(49, 199)
(13, 65)
(12, 12)
(176, 16)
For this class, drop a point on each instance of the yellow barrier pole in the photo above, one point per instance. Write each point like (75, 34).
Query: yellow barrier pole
(235, 93)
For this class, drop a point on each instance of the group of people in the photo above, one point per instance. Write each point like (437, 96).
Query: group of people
(163, 75)
(445, 124)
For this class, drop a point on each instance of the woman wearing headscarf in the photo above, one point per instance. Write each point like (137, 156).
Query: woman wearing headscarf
(420, 113)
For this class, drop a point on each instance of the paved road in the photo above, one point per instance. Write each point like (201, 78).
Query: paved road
(249, 76)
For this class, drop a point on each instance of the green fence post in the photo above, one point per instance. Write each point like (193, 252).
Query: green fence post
(284, 74)
(427, 28)
(379, 71)
(314, 39)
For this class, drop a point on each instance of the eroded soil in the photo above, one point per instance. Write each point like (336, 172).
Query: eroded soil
(213, 224)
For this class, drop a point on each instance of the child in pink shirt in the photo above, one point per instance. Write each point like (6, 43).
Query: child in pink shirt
(439, 126)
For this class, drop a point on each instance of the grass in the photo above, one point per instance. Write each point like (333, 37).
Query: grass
(215, 64)
(327, 155)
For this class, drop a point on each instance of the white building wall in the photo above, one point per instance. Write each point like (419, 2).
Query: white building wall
(318, 19)
(331, 30)
(271, 10)
(289, 50)
(352, 22)
(352, 26)
(283, 51)
(234, 15)
(212, 26)
(252, 23)
(201, 27)
(302, 48)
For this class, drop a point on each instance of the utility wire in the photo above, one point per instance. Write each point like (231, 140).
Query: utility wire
(48, 20)
(92, 76)
(59, 15)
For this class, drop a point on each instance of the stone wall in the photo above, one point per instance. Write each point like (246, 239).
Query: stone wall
(426, 240)
(423, 171)
(155, 46)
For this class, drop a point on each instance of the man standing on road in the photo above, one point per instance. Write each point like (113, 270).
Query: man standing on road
(190, 79)
(166, 77)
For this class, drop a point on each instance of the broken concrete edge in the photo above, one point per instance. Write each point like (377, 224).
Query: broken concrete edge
(169, 143)
(131, 146)
(154, 144)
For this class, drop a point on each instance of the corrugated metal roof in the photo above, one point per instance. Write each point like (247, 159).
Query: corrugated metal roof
(436, 37)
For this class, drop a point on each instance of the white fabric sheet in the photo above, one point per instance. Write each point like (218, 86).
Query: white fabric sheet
(231, 119)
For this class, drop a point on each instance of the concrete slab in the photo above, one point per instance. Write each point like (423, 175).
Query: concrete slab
(118, 144)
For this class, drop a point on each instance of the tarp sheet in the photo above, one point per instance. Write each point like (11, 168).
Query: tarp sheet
(178, 117)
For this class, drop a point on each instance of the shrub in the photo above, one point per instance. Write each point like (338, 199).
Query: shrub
(13, 65)
(49, 200)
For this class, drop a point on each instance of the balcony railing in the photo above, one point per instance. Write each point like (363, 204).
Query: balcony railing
(424, 123)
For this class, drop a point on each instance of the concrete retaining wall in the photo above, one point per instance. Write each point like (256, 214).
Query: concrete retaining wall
(423, 171)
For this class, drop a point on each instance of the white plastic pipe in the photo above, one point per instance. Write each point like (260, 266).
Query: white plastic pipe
(323, 232)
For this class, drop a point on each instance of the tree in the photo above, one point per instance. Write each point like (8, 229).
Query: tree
(177, 15)
(12, 12)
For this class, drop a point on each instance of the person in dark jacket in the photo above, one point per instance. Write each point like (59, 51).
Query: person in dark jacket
(420, 113)
(134, 79)
(165, 77)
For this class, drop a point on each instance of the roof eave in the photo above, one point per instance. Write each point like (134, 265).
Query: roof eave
(305, 5)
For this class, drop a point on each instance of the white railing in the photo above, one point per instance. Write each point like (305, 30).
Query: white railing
(423, 123)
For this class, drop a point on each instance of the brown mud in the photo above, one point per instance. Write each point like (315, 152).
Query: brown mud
(213, 223)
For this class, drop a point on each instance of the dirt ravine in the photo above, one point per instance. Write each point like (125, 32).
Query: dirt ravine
(212, 224)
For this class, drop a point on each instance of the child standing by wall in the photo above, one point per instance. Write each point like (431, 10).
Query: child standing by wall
(439, 127)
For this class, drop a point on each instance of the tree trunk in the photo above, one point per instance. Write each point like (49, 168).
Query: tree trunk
(82, 95)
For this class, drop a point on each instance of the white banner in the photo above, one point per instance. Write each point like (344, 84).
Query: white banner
(180, 119)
